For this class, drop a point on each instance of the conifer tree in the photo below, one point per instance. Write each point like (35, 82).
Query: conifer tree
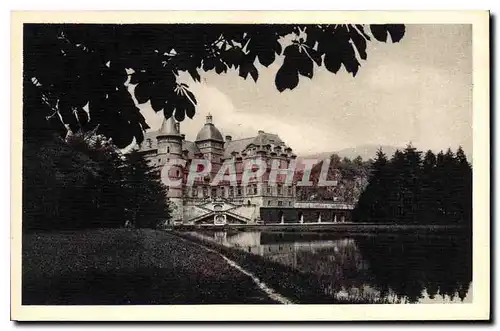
(147, 205)
(371, 206)
(428, 211)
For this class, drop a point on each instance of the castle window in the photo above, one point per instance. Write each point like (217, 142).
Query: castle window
(255, 189)
(177, 173)
(279, 190)
(280, 203)
(268, 202)
(231, 191)
(205, 192)
(238, 191)
(269, 190)
(168, 149)
(149, 143)
(214, 192)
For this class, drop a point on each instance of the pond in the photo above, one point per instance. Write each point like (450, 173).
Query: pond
(399, 268)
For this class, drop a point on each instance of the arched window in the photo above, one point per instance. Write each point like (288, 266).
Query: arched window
(168, 149)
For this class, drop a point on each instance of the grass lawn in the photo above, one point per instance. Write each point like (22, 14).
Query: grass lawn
(127, 266)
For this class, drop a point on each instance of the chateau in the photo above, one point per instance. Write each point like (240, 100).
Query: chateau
(223, 203)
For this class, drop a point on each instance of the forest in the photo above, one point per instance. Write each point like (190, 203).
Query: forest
(351, 176)
(84, 181)
(416, 188)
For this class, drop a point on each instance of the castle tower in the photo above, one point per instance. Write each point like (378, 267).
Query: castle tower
(169, 151)
(211, 144)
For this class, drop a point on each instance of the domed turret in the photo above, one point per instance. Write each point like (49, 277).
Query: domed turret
(209, 132)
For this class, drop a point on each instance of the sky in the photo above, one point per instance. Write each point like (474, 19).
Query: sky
(418, 90)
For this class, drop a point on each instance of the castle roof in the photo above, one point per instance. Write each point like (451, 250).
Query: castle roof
(262, 139)
(209, 131)
(191, 148)
(168, 127)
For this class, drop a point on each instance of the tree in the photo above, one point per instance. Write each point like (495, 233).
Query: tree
(85, 182)
(372, 205)
(76, 74)
(429, 189)
(147, 205)
(407, 189)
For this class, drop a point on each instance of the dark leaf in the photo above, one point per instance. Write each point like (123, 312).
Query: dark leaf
(208, 64)
(266, 57)
(277, 48)
(360, 43)
(287, 77)
(315, 55)
(190, 109)
(142, 92)
(292, 52)
(254, 73)
(168, 110)
(351, 64)
(194, 74)
(247, 67)
(138, 133)
(397, 31)
(332, 62)
(379, 32)
(158, 102)
(191, 97)
(220, 67)
(361, 29)
(180, 114)
(305, 65)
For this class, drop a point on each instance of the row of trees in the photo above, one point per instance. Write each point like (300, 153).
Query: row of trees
(410, 188)
(84, 182)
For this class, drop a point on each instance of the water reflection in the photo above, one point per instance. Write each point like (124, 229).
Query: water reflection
(397, 268)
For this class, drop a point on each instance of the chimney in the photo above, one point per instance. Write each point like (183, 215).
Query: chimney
(209, 118)
(261, 132)
(229, 138)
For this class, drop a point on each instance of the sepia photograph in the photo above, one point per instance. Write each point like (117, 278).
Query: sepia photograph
(236, 166)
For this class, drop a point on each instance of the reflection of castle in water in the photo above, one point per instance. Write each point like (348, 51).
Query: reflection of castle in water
(336, 253)
(396, 268)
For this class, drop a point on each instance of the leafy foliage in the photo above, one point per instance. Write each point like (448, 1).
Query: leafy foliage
(351, 177)
(85, 182)
(409, 189)
(78, 74)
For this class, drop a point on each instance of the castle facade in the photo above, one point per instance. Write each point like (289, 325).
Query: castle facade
(203, 202)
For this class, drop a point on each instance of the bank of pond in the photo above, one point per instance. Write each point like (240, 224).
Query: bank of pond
(332, 267)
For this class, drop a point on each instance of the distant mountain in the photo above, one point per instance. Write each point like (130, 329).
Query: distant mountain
(365, 151)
